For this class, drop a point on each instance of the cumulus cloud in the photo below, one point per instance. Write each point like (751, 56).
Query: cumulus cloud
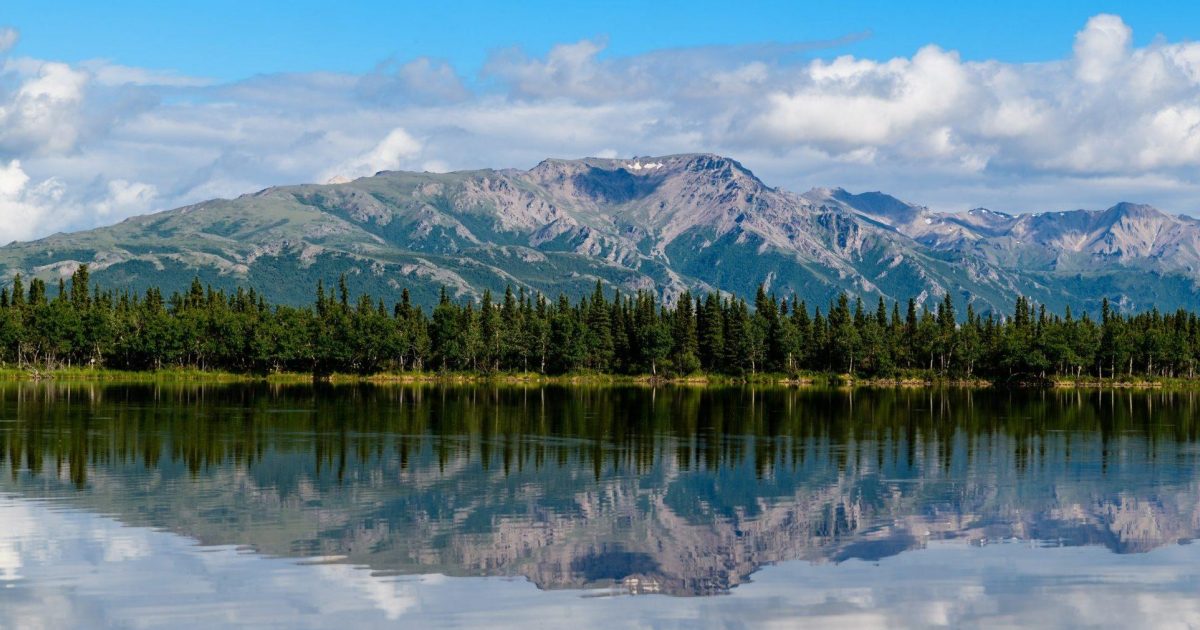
(860, 103)
(1101, 47)
(389, 154)
(125, 198)
(97, 141)
(43, 115)
(24, 210)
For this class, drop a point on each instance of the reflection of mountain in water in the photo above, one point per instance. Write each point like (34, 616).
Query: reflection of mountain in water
(679, 491)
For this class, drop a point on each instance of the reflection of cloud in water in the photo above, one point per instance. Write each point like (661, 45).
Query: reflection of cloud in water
(509, 485)
(663, 513)
(393, 597)
(70, 568)
(176, 583)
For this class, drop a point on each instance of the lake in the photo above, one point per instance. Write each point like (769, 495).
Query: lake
(432, 506)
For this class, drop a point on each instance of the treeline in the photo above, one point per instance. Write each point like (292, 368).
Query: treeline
(80, 325)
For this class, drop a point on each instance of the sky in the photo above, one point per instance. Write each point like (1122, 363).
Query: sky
(108, 110)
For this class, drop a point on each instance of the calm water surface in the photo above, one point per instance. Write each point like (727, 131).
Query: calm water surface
(147, 506)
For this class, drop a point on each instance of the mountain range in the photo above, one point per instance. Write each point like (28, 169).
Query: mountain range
(694, 222)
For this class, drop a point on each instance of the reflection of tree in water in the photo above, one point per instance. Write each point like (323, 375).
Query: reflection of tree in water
(680, 490)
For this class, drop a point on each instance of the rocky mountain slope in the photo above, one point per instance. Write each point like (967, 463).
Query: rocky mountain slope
(673, 223)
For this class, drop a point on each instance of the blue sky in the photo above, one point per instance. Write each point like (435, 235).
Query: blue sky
(109, 110)
(235, 39)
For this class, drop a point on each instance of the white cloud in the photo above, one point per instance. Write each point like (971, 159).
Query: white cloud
(8, 38)
(12, 180)
(125, 198)
(389, 154)
(98, 141)
(24, 210)
(55, 82)
(421, 80)
(113, 75)
(1101, 47)
(43, 116)
(857, 103)
(568, 70)
(436, 166)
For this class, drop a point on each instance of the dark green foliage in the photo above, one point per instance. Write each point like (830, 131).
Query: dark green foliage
(76, 324)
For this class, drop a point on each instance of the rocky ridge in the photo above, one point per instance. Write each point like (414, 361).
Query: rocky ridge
(692, 222)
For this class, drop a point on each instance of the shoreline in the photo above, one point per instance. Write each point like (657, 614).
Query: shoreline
(817, 380)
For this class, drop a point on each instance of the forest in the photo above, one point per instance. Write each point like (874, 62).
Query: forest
(80, 325)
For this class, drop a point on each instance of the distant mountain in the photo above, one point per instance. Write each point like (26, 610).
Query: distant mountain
(695, 222)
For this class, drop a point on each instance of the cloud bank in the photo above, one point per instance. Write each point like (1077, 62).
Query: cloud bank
(89, 144)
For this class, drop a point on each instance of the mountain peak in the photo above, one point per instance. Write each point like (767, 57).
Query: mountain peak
(622, 179)
(1134, 211)
(876, 202)
(691, 221)
(647, 164)
(986, 212)
(880, 206)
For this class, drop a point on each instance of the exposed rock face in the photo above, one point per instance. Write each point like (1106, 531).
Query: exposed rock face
(675, 223)
(1125, 236)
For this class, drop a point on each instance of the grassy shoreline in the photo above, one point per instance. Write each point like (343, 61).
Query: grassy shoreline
(696, 380)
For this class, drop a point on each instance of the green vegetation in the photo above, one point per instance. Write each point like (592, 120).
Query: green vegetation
(528, 337)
